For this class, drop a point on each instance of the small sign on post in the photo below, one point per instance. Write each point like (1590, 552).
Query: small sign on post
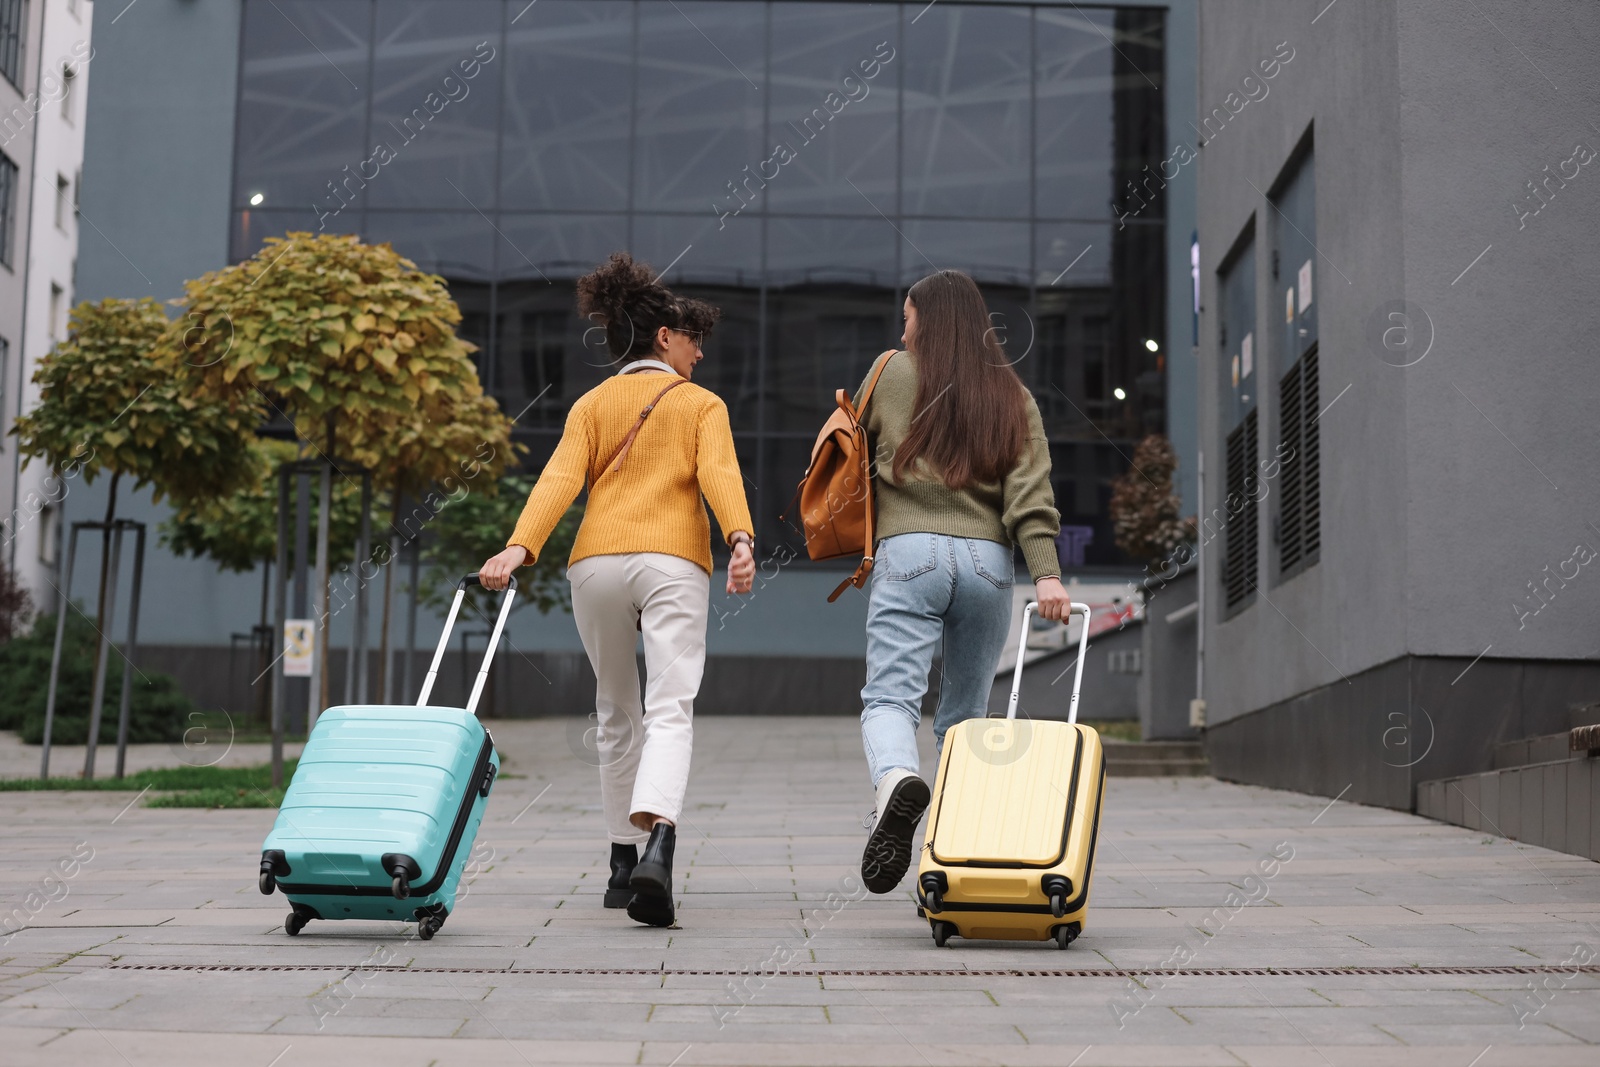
(298, 648)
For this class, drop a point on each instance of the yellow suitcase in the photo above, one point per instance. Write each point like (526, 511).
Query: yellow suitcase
(1011, 831)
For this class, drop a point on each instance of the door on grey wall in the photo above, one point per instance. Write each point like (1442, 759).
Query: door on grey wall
(1236, 352)
(1297, 501)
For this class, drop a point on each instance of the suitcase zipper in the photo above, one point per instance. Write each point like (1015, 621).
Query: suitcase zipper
(473, 790)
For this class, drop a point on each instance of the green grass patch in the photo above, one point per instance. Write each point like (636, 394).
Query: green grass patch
(228, 779)
(218, 797)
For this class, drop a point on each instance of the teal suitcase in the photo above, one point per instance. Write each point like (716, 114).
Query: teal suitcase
(385, 804)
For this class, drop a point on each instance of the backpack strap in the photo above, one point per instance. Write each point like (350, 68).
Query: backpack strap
(864, 570)
(842, 397)
(615, 462)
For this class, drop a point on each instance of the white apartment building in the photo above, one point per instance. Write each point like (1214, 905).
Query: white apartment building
(45, 54)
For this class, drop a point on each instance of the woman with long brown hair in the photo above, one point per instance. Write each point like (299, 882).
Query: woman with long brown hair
(651, 454)
(962, 479)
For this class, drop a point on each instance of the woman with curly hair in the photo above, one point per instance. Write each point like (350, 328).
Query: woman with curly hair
(649, 445)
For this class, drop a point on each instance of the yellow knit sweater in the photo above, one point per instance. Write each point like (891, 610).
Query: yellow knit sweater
(653, 504)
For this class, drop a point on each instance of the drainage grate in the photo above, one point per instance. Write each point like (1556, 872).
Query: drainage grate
(823, 972)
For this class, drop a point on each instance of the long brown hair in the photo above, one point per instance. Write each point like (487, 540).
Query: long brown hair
(971, 421)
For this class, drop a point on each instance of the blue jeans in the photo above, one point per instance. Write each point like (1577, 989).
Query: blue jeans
(924, 587)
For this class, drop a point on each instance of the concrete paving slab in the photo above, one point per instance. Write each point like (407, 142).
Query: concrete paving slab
(532, 970)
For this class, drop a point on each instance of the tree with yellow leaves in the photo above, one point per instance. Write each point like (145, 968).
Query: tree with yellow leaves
(355, 347)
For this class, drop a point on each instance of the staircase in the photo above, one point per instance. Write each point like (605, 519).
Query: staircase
(1156, 759)
(1543, 790)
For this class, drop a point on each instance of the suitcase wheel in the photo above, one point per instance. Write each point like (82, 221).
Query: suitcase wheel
(401, 887)
(934, 899)
(1066, 934)
(429, 926)
(295, 923)
(942, 932)
(1058, 906)
(266, 883)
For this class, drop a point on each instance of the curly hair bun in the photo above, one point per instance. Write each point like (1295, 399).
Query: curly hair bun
(627, 298)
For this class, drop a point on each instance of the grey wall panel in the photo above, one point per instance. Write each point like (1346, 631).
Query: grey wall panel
(1345, 614)
(1361, 735)
(1501, 477)
(1166, 684)
(158, 155)
(1047, 683)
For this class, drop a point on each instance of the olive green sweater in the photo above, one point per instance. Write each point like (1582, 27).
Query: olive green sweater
(1019, 511)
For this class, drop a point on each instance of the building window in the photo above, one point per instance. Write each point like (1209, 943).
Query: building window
(1124, 661)
(8, 205)
(53, 325)
(68, 76)
(1297, 517)
(1236, 351)
(63, 197)
(13, 23)
(988, 138)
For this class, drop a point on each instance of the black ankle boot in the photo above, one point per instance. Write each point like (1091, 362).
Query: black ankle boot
(623, 860)
(652, 879)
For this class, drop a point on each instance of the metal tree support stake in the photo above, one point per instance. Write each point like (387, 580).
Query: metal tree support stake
(281, 613)
(64, 586)
(114, 531)
(108, 580)
(363, 552)
(124, 709)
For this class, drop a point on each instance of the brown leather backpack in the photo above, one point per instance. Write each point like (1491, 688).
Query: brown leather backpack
(835, 496)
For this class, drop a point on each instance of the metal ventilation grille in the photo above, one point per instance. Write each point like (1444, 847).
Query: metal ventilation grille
(1299, 498)
(1239, 557)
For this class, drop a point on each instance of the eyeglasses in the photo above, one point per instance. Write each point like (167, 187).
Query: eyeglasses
(696, 338)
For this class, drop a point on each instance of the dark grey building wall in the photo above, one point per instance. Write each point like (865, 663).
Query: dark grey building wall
(1450, 483)
(1348, 611)
(1373, 738)
(1046, 691)
(158, 153)
(1167, 683)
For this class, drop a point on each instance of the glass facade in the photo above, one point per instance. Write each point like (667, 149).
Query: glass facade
(799, 164)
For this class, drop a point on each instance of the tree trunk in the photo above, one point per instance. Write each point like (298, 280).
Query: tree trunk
(100, 627)
(386, 670)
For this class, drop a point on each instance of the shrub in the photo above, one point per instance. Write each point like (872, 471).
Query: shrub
(158, 709)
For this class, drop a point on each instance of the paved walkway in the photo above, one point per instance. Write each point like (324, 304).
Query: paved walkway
(771, 831)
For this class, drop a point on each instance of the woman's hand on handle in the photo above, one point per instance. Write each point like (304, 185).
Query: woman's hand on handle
(497, 568)
(741, 568)
(1055, 603)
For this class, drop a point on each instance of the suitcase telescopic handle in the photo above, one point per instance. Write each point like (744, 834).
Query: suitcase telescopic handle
(488, 654)
(1022, 650)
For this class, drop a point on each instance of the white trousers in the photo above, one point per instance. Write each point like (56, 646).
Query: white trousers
(644, 747)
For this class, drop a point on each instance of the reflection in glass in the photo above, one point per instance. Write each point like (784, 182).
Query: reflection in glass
(549, 248)
(568, 106)
(435, 104)
(1075, 90)
(968, 73)
(697, 250)
(731, 367)
(302, 109)
(994, 252)
(835, 101)
(546, 357)
(701, 68)
(822, 338)
(454, 244)
(991, 138)
(252, 226)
